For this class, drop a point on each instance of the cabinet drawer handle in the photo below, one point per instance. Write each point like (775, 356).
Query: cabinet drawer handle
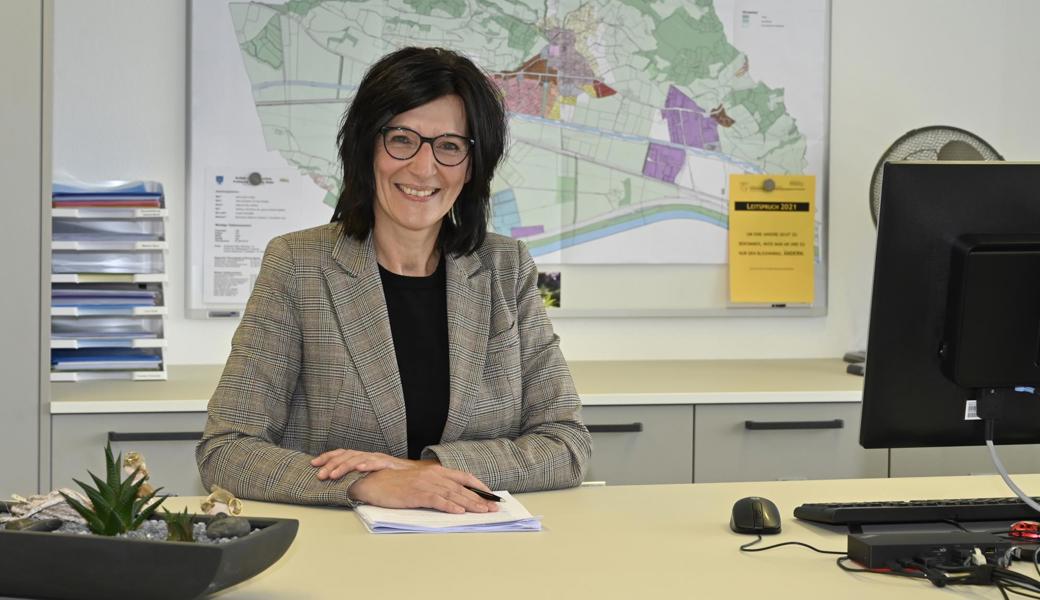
(760, 425)
(615, 428)
(155, 436)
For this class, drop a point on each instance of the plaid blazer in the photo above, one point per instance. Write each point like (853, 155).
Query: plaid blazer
(312, 368)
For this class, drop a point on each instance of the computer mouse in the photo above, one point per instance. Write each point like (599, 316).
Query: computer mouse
(755, 515)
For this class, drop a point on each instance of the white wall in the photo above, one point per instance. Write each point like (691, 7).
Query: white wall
(119, 112)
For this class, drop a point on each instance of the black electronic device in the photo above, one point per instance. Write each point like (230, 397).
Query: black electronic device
(755, 515)
(955, 312)
(886, 550)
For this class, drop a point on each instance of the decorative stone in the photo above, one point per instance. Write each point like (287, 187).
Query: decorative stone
(33, 525)
(51, 506)
(228, 527)
(221, 501)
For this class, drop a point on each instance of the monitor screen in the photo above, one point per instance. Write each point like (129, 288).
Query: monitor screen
(955, 311)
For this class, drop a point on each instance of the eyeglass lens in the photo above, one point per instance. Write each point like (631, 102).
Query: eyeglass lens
(402, 144)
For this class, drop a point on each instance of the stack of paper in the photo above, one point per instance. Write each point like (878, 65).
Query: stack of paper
(108, 267)
(102, 232)
(105, 359)
(105, 299)
(511, 516)
(84, 330)
(138, 194)
(63, 261)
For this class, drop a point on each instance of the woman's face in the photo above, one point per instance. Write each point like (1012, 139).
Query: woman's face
(413, 195)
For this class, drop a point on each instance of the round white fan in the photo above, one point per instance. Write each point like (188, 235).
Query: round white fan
(935, 142)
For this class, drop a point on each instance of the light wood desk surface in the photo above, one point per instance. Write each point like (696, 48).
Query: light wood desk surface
(624, 542)
(189, 387)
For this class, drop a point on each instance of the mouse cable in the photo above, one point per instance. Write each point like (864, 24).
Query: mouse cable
(747, 547)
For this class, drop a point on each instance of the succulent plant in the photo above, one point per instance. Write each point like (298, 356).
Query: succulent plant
(116, 507)
(179, 526)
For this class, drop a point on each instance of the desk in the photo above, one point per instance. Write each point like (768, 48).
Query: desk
(624, 542)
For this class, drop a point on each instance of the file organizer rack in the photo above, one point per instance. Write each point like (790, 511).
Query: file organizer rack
(108, 278)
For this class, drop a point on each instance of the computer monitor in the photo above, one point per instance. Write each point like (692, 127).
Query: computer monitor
(955, 312)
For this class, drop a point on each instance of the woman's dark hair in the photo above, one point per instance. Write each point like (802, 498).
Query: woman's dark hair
(399, 82)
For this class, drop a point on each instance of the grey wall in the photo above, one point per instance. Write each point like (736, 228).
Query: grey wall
(24, 115)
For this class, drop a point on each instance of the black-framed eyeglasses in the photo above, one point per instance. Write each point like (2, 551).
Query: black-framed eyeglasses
(448, 149)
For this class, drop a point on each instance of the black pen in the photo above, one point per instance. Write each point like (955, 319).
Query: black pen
(483, 494)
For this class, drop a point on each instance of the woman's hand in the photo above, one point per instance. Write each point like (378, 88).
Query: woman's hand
(337, 463)
(423, 486)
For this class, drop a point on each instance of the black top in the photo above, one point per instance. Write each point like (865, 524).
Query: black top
(418, 309)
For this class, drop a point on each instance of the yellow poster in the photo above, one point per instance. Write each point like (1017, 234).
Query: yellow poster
(771, 220)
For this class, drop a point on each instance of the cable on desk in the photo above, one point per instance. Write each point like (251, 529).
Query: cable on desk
(959, 526)
(1030, 553)
(1005, 580)
(973, 572)
(990, 426)
(747, 547)
(912, 574)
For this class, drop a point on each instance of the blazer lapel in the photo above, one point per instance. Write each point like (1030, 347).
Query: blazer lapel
(357, 294)
(469, 313)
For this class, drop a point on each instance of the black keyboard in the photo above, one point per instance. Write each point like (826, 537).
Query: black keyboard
(917, 511)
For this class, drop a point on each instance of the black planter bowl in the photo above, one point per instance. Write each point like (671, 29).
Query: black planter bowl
(63, 566)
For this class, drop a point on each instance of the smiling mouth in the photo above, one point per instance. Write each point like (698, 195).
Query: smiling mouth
(418, 193)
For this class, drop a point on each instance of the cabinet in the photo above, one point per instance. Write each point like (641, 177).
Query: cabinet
(968, 460)
(631, 444)
(166, 440)
(735, 442)
(640, 444)
(666, 435)
(651, 422)
(761, 442)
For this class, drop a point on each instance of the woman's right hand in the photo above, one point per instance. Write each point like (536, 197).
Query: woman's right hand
(337, 463)
(424, 486)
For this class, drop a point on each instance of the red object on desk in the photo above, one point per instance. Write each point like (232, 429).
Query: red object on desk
(1025, 529)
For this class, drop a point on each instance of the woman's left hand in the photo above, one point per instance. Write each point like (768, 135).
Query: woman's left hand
(337, 463)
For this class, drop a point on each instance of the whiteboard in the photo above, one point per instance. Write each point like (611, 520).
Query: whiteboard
(261, 163)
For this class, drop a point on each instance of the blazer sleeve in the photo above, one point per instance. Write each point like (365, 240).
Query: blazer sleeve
(553, 448)
(250, 408)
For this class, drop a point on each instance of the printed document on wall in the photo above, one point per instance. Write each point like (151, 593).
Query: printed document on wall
(771, 232)
(245, 209)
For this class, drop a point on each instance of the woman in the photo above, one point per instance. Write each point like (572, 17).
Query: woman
(400, 356)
